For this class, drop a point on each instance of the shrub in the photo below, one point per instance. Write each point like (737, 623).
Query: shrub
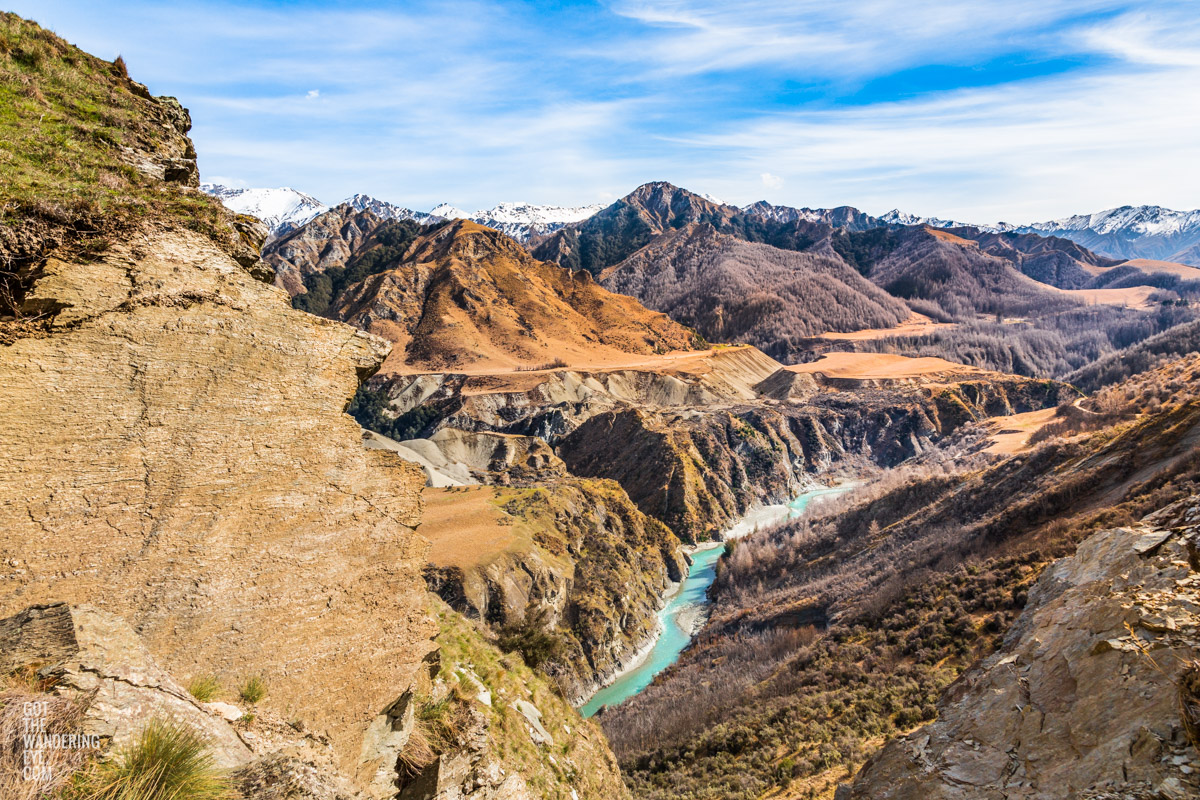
(204, 688)
(166, 762)
(253, 690)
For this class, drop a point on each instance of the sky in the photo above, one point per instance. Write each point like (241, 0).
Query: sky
(1014, 110)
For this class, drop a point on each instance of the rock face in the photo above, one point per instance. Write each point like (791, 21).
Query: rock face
(84, 650)
(173, 450)
(452, 457)
(1089, 695)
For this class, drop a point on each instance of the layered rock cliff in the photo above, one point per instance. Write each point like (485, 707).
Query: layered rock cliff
(174, 451)
(173, 447)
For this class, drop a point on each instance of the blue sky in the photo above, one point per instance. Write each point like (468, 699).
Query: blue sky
(1019, 110)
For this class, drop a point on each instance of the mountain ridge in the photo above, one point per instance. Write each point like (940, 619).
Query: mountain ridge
(285, 209)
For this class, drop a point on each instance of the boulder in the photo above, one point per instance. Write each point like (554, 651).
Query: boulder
(82, 650)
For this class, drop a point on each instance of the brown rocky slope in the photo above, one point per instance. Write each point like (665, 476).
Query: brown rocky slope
(736, 291)
(1092, 694)
(468, 297)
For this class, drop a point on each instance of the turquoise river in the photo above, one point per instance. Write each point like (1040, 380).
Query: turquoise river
(682, 606)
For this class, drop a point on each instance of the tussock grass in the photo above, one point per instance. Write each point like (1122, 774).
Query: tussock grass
(166, 762)
(253, 690)
(205, 688)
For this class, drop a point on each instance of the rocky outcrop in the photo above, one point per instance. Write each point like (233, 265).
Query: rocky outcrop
(491, 728)
(173, 450)
(452, 457)
(583, 565)
(1093, 693)
(165, 152)
(83, 651)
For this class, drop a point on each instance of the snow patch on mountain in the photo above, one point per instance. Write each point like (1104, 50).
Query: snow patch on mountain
(898, 217)
(283, 209)
(1128, 220)
(386, 210)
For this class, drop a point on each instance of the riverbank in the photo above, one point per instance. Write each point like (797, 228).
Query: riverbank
(685, 604)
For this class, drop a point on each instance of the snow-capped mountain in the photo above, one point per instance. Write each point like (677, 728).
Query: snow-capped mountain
(448, 211)
(1131, 232)
(1127, 232)
(898, 217)
(386, 210)
(841, 217)
(283, 210)
(523, 220)
(519, 220)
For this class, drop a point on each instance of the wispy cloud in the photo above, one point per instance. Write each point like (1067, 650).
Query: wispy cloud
(971, 108)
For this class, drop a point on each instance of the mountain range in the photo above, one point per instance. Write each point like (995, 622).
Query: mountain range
(782, 278)
(285, 209)
(1126, 233)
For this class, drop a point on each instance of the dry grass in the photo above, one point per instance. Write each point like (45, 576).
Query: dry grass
(916, 325)
(166, 762)
(465, 526)
(882, 366)
(1189, 702)
(53, 768)
(205, 688)
(253, 690)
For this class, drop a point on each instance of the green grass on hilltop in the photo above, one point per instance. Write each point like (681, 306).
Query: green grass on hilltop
(64, 118)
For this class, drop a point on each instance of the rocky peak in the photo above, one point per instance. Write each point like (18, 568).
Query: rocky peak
(466, 241)
(666, 205)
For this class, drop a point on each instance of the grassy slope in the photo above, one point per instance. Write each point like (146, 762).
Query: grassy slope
(64, 117)
(579, 757)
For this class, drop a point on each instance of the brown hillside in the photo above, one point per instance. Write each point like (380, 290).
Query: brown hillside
(468, 297)
(736, 291)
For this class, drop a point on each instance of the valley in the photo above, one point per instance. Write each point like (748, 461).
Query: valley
(660, 499)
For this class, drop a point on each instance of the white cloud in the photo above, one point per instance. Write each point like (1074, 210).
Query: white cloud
(857, 38)
(1019, 152)
(313, 94)
(772, 181)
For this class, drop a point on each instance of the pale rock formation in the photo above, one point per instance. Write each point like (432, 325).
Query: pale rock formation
(1084, 698)
(88, 651)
